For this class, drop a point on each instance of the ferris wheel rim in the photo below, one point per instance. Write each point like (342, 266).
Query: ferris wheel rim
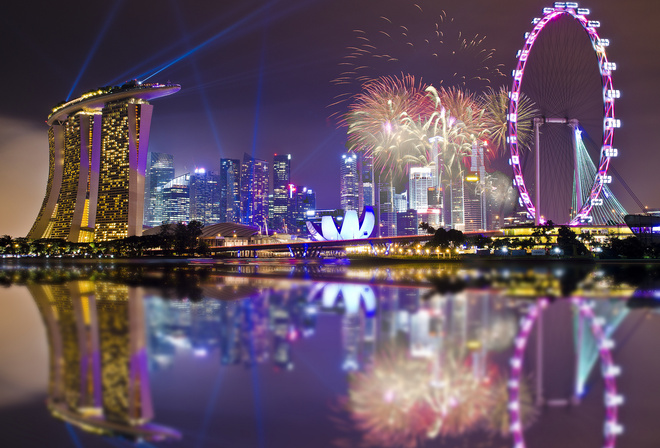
(609, 95)
(608, 370)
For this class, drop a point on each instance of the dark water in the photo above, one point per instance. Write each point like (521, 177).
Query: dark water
(308, 355)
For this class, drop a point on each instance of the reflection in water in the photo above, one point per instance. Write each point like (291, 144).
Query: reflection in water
(460, 353)
(583, 311)
(98, 362)
(431, 376)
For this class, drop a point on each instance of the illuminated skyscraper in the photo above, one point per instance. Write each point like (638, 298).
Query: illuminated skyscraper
(254, 191)
(349, 182)
(175, 196)
(420, 180)
(230, 190)
(304, 206)
(281, 181)
(474, 201)
(160, 170)
(205, 197)
(98, 147)
(366, 182)
(386, 210)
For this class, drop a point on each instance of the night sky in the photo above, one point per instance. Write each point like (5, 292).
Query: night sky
(256, 77)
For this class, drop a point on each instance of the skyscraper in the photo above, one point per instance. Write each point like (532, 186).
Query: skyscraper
(160, 170)
(406, 223)
(230, 190)
(281, 181)
(98, 146)
(304, 205)
(366, 182)
(386, 211)
(420, 179)
(254, 191)
(205, 196)
(175, 196)
(349, 182)
(474, 201)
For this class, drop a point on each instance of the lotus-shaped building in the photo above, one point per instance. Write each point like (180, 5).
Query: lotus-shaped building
(351, 227)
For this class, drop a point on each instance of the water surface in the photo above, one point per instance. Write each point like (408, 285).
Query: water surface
(299, 355)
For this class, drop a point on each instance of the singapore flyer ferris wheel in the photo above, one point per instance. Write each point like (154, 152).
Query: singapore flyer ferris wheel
(589, 186)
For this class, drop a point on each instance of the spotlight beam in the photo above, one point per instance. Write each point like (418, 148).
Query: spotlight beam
(198, 80)
(198, 47)
(95, 45)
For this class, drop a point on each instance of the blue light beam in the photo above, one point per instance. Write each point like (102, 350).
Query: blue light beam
(95, 45)
(212, 39)
(198, 80)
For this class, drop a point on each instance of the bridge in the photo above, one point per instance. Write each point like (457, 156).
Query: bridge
(315, 249)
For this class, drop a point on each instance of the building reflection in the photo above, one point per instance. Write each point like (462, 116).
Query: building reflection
(455, 355)
(99, 379)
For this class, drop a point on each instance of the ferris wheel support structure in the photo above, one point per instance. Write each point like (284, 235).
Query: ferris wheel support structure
(573, 123)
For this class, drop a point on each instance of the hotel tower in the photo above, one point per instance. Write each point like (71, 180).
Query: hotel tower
(98, 147)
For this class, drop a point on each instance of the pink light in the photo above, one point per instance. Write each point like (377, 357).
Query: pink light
(551, 13)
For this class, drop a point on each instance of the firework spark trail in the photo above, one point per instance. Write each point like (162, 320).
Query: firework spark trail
(421, 41)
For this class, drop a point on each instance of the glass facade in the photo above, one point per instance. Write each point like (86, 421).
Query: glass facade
(349, 182)
(254, 191)
(366, 182)
(230, 190)
(205, 197)
(281, 199)
(175, 196)
(160, 170)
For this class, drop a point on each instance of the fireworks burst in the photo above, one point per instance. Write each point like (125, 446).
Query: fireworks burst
(498, 417)
(402, 401)
(421, 39)
(389, 402)
(496, 105)
(379, 120)
(453, 126)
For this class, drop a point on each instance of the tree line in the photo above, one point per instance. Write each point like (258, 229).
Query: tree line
(172, 240)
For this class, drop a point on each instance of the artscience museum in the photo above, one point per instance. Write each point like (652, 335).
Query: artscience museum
(351, 227)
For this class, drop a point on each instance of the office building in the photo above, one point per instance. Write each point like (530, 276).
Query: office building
(420, 179)
(366, 196)
(305, 206)
(230, 190)
(474, 191)
(254, 192)
(406, 223)
(160, 170)
(175, 196)
(281, 196)
(205, 196)
(401, 202)
(349, 182)
(98, 146)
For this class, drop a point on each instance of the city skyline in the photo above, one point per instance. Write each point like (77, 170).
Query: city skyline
(274, 94)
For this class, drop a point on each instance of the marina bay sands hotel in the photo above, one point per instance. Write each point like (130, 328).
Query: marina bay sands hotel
(98, 146)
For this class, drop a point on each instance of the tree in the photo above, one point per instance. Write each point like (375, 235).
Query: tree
(428, 228)
(482, 241)
(629, 247)
(502, 242)
(445, 239)
(568, 242)
(543, 233)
